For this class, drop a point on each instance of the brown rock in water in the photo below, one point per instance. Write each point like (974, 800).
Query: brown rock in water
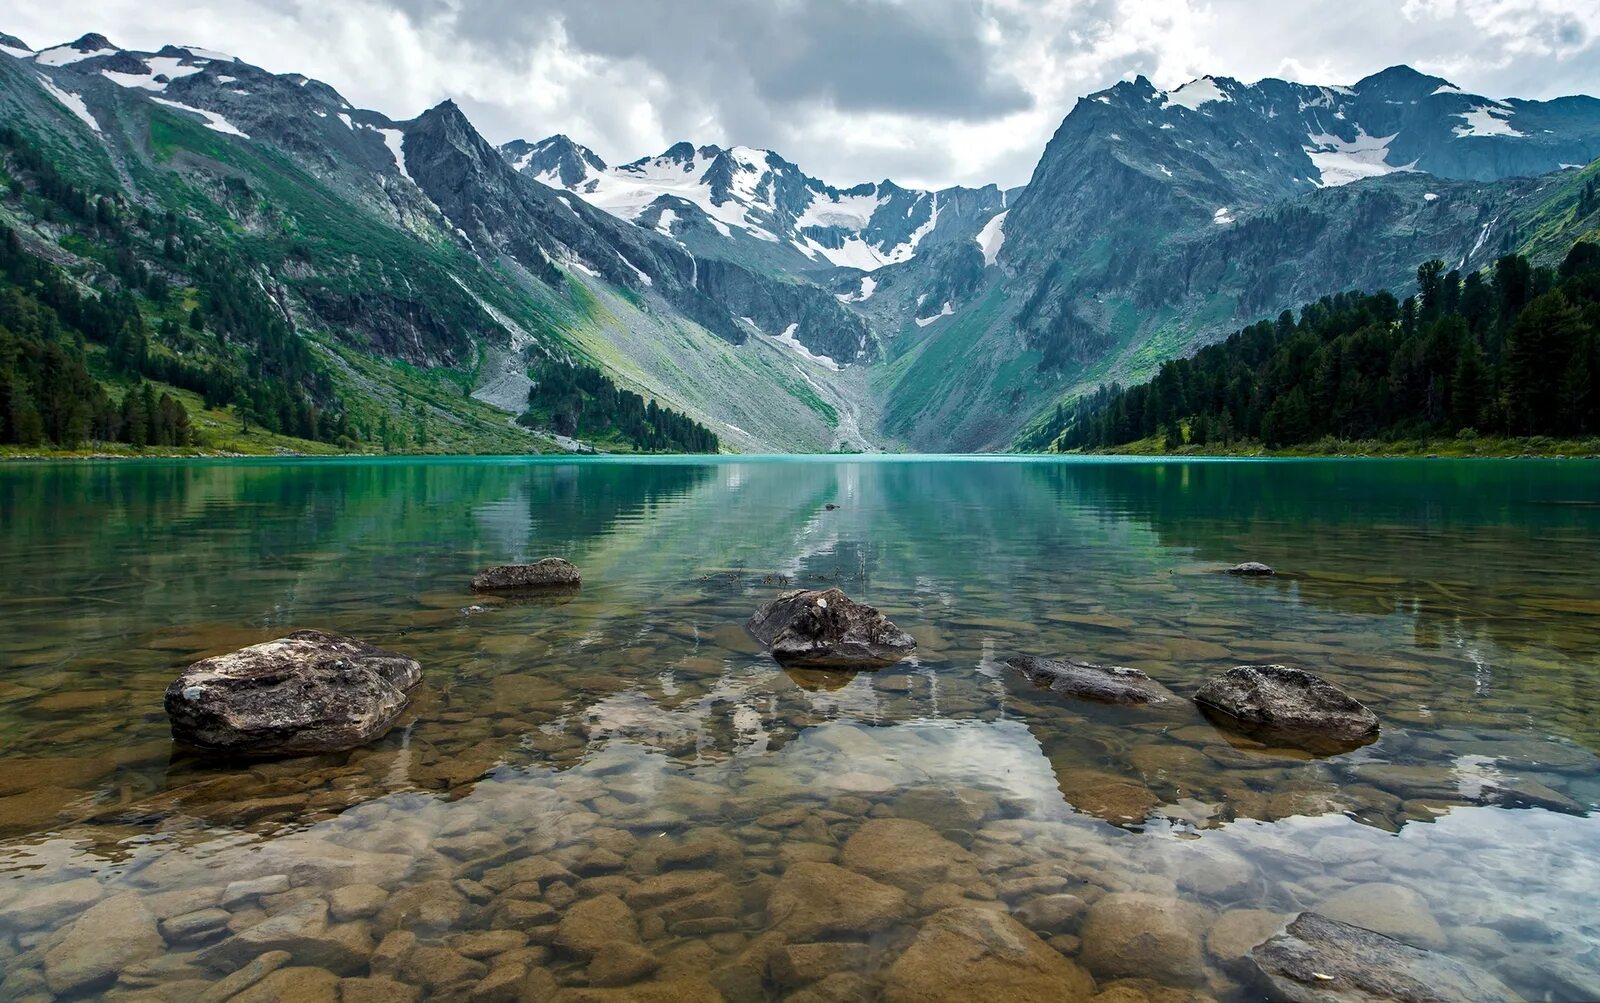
(1104, 683)
(111, 935)
(814, 900)
(809, 628)
(980, 954)
(1138, 934)
(1289, 705)
(901, 852)
(550, 572)
(1320, 960)
(306, 693)
(1391, 910)
(593, 923)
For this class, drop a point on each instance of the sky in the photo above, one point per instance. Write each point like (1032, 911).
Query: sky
(927, 92)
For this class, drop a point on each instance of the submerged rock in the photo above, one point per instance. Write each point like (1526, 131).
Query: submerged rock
(1140, 934)
(107, 938)
(306, 693)
(828, 628)
(816, 900)
(1320, 960)
(1251, 569)
(1105, 683)
(977, 953)
(546, 573)
(1288, 704)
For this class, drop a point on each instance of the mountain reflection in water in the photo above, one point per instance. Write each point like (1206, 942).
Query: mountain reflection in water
(594, 743)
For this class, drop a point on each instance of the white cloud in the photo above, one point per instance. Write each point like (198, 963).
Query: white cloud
(927, 92)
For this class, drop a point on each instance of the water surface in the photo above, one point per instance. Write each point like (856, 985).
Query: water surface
(633, 741)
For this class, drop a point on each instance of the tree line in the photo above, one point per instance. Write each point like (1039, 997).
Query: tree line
(581, 400)
(1513, 350)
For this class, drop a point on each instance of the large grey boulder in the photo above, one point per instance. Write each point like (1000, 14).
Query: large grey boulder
(549, 572)
(1287, 704)
(827, 628)
(1105, 683)
(306, 693)
(1320, 960)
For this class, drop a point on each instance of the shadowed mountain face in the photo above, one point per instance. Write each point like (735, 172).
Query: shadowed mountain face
(870, 315)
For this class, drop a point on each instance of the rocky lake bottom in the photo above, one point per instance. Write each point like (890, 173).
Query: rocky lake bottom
(616, 794)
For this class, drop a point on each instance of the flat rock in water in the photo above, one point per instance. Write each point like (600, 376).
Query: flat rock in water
(1288, 704)
(1105, 683)
(551, 572)
(309, 692)
(826, 628)
(1251, 569)
(1320, 960)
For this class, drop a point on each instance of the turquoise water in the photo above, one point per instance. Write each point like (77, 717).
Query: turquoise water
(635, 731)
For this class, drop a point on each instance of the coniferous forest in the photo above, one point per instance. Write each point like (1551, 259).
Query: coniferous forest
(1513, 351)
(581, 400)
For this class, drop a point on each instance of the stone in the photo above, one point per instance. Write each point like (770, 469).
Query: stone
(431, 907)
(377, 990)
(812, 900)
(192, 927)
(1086, 681)
(593, 923)
(1287, 704)
(548, 572)
(619, 963)
(1236, 932)
(356, 901)
(1051, 913)
(439, 969)
(245, 977)
(1251, 569)
(1321, 960)
(483, 944)
(901, 852)
(303, 931)
(794, 965)
(111, 935)
(974, 953)
(1141, 934)
(686, 990)
(663, 888)
(803, 628)
(310, 692)
(293, 985)
(238, 893)
(1395, 911)
(48, 905)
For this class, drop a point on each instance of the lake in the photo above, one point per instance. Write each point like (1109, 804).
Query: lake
(624, 774)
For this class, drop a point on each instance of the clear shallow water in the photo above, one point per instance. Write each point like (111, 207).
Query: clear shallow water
(633, 741)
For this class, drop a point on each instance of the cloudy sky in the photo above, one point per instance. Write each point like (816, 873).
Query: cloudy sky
(928, 92)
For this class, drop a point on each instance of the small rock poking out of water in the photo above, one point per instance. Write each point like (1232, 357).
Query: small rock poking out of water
(1105, 683)
(1287, 704)
(829, 507)
(826, 628)
(1251, 569)
(1320, 960)
(307, 693)
(550, 572)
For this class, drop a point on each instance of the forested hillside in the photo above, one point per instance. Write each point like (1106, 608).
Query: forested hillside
(1511, 351)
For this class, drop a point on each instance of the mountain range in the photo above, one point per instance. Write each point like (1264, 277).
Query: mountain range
(784, 312)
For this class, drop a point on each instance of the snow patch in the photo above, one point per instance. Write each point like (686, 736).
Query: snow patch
(992, 237)
(1340, 162)
(1446, 89)
(392, 138)
(213, 121)
(789, 341)
(664, 222)
(1486, 120)
(65, 55)
(869, 285)
(13, 51)
(647, 280)
(195, 50)
(70, 101)
(1196, 93)
(1223, 216)
(944, 311)
(1429, 196)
